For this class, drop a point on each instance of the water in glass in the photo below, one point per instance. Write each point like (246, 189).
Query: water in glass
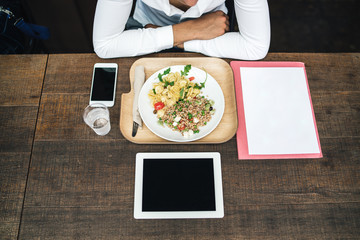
(98, 120)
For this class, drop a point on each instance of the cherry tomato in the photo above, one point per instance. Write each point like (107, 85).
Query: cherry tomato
(159, 105)
(181, 127)
(191, 78)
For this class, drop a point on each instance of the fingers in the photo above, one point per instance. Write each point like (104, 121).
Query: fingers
(210, 25)
(227, 29)
(227, 22)
(151, 26)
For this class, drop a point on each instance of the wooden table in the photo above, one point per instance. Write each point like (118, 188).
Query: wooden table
(59, 180)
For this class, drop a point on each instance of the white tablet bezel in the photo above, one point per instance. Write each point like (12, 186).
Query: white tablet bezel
(219, 202)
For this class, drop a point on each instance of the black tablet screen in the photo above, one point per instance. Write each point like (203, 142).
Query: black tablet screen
(178, 185)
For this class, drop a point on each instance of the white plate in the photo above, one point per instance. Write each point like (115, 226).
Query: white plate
(211, 91)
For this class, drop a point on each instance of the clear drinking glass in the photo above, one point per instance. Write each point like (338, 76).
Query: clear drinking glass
(97, 117)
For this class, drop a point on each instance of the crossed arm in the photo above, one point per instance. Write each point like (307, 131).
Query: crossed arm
(207, 34)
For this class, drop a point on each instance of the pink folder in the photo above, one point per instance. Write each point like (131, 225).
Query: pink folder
(241, 135)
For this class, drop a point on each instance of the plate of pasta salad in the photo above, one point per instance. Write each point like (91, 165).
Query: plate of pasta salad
(181, 103)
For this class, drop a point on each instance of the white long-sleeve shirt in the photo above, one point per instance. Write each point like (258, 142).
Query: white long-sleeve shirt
(111, 40)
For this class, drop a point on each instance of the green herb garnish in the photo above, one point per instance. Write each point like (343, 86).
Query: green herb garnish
(202, 85)
(186, 70)
(181, 92)
(167, 83)
(167, 71)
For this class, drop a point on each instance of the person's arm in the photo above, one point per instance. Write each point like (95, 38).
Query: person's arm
(250, 43)
(208, 26)
(110, 39)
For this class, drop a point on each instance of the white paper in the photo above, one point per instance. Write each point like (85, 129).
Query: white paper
(278, 112)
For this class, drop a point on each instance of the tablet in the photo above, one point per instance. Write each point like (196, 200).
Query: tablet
(178, 185)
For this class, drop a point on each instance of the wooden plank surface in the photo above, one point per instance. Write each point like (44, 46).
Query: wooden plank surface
(85, 188)
(21, 78)
(93, 173)
(300, 221)
(17, 128)
(13, 175)
(81, 185)
(66, 93)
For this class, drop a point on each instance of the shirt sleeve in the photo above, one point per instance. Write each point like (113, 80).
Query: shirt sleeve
(250, 43)
(111, 40)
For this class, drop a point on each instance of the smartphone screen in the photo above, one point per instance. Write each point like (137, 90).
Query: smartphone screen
(103, 84)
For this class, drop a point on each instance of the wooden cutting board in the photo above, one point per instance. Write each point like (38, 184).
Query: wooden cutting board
(217, 68)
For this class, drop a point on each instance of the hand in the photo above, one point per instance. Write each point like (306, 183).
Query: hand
(211, 25)
(206, 27)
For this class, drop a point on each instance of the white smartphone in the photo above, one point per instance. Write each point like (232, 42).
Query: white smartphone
(103, 85)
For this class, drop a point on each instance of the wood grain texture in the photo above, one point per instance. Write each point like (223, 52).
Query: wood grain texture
(66, 93)
(253, 222)
(13, 174)
(217, 68)
(93, 173)
(61, 118)
(21, 78)
(72, 73)
(17, 128)
(86, 187)
(337, 113)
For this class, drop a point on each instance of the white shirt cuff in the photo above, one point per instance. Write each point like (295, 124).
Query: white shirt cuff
(192, 46)
(164, 38)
